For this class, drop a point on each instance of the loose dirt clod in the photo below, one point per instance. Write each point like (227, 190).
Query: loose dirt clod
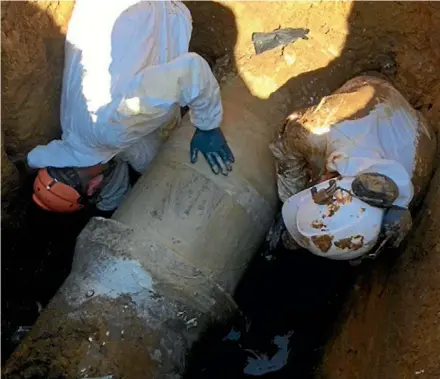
(317, 224)
(352, 243)
(323, 242)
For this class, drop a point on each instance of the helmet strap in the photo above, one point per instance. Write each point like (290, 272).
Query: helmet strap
(79, 179)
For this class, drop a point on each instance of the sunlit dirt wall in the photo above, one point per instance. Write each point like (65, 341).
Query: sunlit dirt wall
(345, 39)
(32, 62)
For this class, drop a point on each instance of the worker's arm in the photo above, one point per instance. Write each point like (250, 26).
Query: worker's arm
(292, 168)
(188, 81)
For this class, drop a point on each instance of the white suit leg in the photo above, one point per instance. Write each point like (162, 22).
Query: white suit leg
(143, 151)
(115, 190)
(139, 155)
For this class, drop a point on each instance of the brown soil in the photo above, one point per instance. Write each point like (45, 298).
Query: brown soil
(323, 243)
(345, 39)
(392, 330)
(84, 340)
(32, 65)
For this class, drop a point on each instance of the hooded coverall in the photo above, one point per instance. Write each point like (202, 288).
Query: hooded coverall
(127, 73)
(365, 126)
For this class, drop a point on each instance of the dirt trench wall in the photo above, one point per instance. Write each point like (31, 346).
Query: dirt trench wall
(344, 39)
(392, 327)
(32, 36)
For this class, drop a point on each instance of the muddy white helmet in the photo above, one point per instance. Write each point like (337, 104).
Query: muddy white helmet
(328, 221)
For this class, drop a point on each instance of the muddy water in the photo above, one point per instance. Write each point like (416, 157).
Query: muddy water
(289, 301)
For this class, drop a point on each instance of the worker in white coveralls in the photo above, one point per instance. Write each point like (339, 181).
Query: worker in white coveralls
(127, 73)
(349, 168)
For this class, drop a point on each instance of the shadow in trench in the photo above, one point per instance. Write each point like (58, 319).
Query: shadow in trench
(295, 293)
(37, 255)
(36, 247)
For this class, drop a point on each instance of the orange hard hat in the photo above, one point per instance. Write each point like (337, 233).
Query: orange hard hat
(70, 189)
(53, 195)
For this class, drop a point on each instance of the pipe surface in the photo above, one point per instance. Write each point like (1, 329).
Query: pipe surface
(147, 282)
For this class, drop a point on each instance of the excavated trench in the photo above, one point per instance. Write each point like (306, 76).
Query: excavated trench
(377, 320)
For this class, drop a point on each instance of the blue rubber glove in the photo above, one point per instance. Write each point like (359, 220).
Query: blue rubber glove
(212, 144)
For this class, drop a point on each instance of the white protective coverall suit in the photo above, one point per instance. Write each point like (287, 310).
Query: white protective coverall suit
(366, 126)
(127, 73)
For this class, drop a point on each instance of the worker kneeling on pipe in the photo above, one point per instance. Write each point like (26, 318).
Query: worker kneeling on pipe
(350, 168)
(127, 74)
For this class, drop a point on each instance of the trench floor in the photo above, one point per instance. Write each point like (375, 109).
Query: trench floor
(290, 305)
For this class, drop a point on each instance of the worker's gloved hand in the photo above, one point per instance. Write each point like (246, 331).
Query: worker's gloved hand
(212, 144)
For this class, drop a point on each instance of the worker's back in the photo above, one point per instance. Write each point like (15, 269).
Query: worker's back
(107, 45)
(365, 123)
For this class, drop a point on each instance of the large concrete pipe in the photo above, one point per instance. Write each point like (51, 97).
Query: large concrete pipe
(146, 283)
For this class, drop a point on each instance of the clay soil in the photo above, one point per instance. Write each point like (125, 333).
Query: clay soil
(390, 326)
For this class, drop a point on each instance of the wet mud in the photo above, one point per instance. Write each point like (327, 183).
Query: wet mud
(290, 296)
